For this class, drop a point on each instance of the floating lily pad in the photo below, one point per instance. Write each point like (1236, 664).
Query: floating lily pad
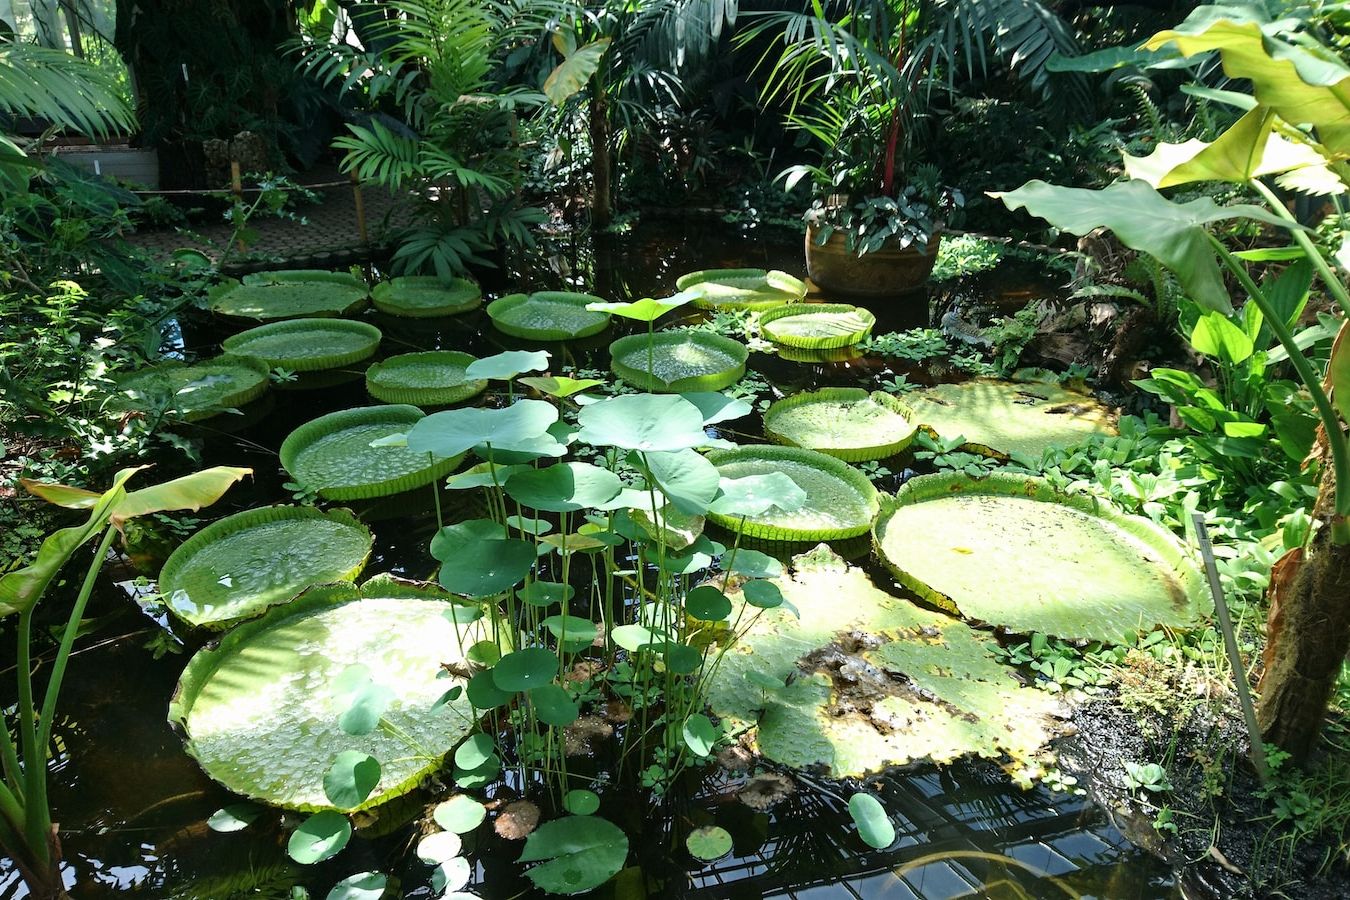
(678, 361)
(1010, 550)
(333, 454)
(847, 423)
(426, 296)
(237, 567)
(866, 680)
(432, 378)
(548, 315)
(817, 326)
(741, 288)
(307, 345)
(196, 391)
(261, 710)
(999, 418)
(840, 501)
(290, 294)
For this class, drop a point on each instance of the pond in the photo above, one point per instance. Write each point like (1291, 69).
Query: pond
(132, 805)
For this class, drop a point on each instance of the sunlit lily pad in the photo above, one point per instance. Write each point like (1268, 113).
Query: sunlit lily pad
(240, 565)
(548, 315)
(307, 345)
(333, 454)
(998, 418)
(867, 680)
(431, 378)
(291, 294)
(741, 288)
(1010, 550)
(840, 501)
(847, 423)
(425, 296)
(677, 361)
(817, 326)
(261, 710)
(196, 391)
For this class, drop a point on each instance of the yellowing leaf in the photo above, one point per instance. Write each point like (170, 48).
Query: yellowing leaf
(1247, 150)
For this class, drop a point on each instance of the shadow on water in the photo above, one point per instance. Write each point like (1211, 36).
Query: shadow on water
(132, 805)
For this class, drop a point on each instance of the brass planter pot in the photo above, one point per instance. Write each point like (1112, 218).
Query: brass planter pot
(887, 272)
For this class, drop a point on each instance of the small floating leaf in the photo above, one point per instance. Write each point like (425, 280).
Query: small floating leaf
(488, 566)
(699, 734)
(581, 802)
(321, 836)
(707, 603)
(438, 847)
(522, 670)
(709, 843)
(874, 826)
(476, 750)
(362, 886)
(351, 778)
(451, 875)
(460, 814)
(235, 817)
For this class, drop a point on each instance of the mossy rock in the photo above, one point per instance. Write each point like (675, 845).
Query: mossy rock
(846, 423)
(430, 378)
(548, 315)
(840, 502)
(196, 391)
(426, 296)
(307, 345)
(817, 326)
(742, 288)
(678, 361)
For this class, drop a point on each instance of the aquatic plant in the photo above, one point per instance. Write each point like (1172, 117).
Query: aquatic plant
(307, 345)
(847, 423)
(549, 315)
(290, 294)
(741, 288)
(817, 326)
(428, 378)
(197, 391)
(678, 361)
(425, 296)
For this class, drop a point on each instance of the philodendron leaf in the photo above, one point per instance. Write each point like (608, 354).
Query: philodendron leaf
(456, 431)
(646, 309)
(507, 365)
(576, 854)
(321, 836)
(571, 75)
(351, 779)
(754, 495)
(1144, 220)
(874, 826)
(648, 422)
(361, 886)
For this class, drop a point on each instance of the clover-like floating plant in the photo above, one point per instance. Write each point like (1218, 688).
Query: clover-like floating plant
(426, 296)
(742, 288)
(307, 345)
(549, 315)
(196, 391)
(846, 423)
(289, 294)
(428, 378)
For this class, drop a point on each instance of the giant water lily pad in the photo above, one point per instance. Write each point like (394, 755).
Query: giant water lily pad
(678, 361)
(741, 288)
(197, 391)
(237, 567)
(261, 710)
(817, 326)
(307, 345)
(333, 454)
(871, 680)
(847, 423)
(548, 315)
(840, 502)
(289, 294)
(426, 296)
(1010, 550)
(999, 418)
(432, 378)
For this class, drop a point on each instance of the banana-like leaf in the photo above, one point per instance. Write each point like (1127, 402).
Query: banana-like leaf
(574, 71)
(1144, 220)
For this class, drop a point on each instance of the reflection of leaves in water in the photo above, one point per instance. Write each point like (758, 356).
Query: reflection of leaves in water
(271, 881)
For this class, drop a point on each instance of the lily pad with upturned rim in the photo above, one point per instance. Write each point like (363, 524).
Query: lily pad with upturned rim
(240, 565)
(846, 423)
(680, 361)
(307, 345)
(196, 391)
(998, 418)
(430, 378)
(260, 711)
(840, 502)
(426, 296)
(817, 326)
(333, 454)
(742, 288)
(291, 294)
(548, 315)
(1012, 551)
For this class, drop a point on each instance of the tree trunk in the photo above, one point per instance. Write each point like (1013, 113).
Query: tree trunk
(1308, 645)
(602, 202)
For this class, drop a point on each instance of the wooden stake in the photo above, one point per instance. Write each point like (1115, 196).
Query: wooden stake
(360, 207)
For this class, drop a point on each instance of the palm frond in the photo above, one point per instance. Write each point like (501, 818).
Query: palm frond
(70, 92)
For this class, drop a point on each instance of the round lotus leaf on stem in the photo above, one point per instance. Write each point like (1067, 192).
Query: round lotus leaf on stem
(560, 386)
(581, 802)
(548, 315)
(817, 326)
(194, 392)
(742, 288)
(840, 501)
(455, 431)
(575, 854)
(646, 422)
(321, 836)
(487, 566)
(293, 294)
(755, 495)
(432, 378)
(351, 779)
(686, 479)
(675, 361)
(565, 487)
(307, 345)
(647, 309)
(553, 705)
(847, 423)
(439, 846)
(508, 364)
(708, 604)
(426, 296)
(460, 814)
(718, 407)
(521, 670)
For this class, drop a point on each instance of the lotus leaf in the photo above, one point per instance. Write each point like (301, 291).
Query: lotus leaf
(455, 431)
(647, 422)
(196, 391)
(237, 567)
(840, 501)
(741, 288)
(875, 681)
(334, 454)
(566, 487)
(426, 296)
(508, 364)
(675, 361)
(1010, 550)
(847, 423)
(289, 295)
(432, 378)
(260, 712)
(998, 418)
(307, 345)
(548, 315)
(817, 326)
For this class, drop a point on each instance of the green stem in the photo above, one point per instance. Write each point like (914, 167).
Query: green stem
(1334, 284)
(35, 774)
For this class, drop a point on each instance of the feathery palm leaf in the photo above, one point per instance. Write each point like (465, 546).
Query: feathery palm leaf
(53, 85)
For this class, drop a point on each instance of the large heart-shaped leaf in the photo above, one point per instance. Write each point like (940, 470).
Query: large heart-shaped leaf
(687, 479)
(571, 75)
(581, 853)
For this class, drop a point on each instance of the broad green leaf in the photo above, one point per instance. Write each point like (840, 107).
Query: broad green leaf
(476, 750)
(755, 495)
(565, 487)
(571, 75)
(637, 637)
(681, 659)
(560, 386)
(235, 817)
(579, 853)
(454, 540)
(479, 776)
(351, 779)
(321, 836)
(1338, 372)
(762, 594)
(450, 875)
(456, 431)
(647, 422)
(707, 604)
(1247, 150)
(553, 706)
(1144, 220)
(1115, 58)
(752, 564)
(646, 309)
(1215, 335)
(364, 700)
(439, 846)
(874, 826)
(483, 475)
(460, 814)
(573, 629)
(546, 593)
(190, 492)
(708, 843)
(718, 407)
(483, 692)
(361, 886)
(685, 477)
(699, 734)
(508, 364)
(487, 566)
(521, 670)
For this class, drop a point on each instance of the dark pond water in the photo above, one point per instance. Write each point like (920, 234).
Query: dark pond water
(132, 806)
